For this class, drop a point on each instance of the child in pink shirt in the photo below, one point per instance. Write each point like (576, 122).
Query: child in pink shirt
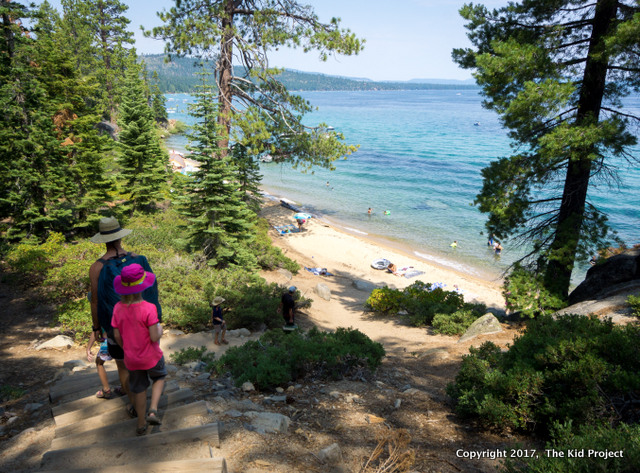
(137, 330)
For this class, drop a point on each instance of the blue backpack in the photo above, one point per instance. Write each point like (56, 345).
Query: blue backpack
(107, 297)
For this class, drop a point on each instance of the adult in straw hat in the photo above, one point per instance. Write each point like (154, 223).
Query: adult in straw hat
(110, 233)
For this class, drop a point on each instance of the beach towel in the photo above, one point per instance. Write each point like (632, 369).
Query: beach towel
(286, 229)
(319, 271)
(412, 273)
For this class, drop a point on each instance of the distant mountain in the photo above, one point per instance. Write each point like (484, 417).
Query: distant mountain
(444, 81)
(179, 76)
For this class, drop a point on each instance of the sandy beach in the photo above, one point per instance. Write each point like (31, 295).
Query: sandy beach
(348, 258)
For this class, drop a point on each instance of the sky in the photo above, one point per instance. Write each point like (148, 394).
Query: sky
(412, 39)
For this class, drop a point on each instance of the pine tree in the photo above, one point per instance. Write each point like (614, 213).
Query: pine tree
(220, 224)
(248, 176)
(143, 161)
(555, 71)
(158, 102)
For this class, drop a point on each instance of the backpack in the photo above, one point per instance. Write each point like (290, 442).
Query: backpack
(107, 297)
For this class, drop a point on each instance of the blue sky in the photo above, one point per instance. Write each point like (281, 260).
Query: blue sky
(405, 40)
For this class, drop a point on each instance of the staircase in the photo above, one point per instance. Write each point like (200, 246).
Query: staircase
(97, 435)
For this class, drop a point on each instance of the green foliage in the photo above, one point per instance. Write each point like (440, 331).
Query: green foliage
(563, 135)
(525, 292)
(634, 302)
(178, 128)
(10, 393)
(622, 442)
(278, 358)
(270, 256)
(189, 354)
(423, 302)
(75, 317)
(560, 370)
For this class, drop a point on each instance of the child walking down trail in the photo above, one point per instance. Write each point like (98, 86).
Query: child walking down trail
(138, 331)
(100, 357)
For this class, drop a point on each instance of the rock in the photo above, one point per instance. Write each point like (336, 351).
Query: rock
(334, 394)
(411, 391)
(279, 390)
(397, 404)
(234, 413)
(268, 422)
(171, 369)
(488, 323)
(32, 406)
(240, 332)
(362, 285)
(173, 331)
(203, 377)
(323, 291)
(74, 364)
(275, 399)
(12, 420)
(602, 278)
(248, 386)
(286, 273)
(352, 398)
(108, 128)
(57, 343)
(331, 455)
(191, 365)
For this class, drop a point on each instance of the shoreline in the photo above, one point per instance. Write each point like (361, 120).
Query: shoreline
(398, 246)
(348, 256)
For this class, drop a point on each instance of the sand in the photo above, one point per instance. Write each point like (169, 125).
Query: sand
(348, 257)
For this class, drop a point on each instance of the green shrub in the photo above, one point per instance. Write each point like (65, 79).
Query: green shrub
(278, 357)
(189, 354)
(634, 302)
(423, 302)
(178, 128)
(558, 370)
(269, 256)
(10, 393)
(524, 292)
(621, 440)
(75, 317)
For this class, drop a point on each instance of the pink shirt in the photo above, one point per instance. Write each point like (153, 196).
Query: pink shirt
(133, 322)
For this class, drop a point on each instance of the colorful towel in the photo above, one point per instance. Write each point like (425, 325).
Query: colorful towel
(286, 229)
(319, 271)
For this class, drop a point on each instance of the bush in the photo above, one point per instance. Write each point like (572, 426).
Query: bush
(524, 292)
(75, 317)
(569, 369)
(189, 354)
(623, 438)
(269, 256)
(634, 302)
(278, 357)
(423, 302)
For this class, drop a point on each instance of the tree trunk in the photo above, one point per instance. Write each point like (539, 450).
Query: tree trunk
(574, 196)
(225, 72)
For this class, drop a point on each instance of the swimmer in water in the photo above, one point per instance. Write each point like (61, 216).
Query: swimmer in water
(454, 244)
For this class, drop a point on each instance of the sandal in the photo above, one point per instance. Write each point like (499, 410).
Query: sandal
(225, 342)
(105, 394)
(119, 391)
(152, 417)
(141, 430)
(132, 411)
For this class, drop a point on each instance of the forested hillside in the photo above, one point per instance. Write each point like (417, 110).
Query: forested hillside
(178, 75)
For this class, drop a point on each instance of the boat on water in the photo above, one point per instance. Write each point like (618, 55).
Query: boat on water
(267, 158)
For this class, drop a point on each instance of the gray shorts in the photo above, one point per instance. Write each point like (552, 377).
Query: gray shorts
(219, 327)
(139, 379)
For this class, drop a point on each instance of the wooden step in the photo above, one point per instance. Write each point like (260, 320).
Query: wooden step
(116, 408)
(91, 400)
(81, 387)
(190, 443)
(181, 417)
(211, 465)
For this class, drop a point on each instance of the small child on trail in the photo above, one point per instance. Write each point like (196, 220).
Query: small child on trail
(219, 325)
(138, 331)
(100, 358)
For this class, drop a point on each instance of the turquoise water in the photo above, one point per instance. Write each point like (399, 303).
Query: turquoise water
(420, 157)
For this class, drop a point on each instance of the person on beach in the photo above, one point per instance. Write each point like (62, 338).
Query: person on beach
(103, 296)
(392, 268)
(490, 240)
(497, 248)
(287, 306)
(300, 221)
(369, 211)
(454, 245)
(137, 330)
(219, 325)
(100, 357)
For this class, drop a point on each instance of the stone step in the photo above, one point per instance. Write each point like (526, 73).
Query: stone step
(192, 443)
(114, 410)
(91, 400)
(181, 417)
(210, 465)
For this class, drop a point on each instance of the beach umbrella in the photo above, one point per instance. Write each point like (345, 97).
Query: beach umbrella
(301, 216)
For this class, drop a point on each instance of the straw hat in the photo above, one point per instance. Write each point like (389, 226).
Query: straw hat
(109, 231)
(133, 279)
(217, 301)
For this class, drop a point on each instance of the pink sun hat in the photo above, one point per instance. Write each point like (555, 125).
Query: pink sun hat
(133, 279)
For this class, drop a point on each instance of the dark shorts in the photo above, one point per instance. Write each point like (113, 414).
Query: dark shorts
(115, 351)
(139, 379)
